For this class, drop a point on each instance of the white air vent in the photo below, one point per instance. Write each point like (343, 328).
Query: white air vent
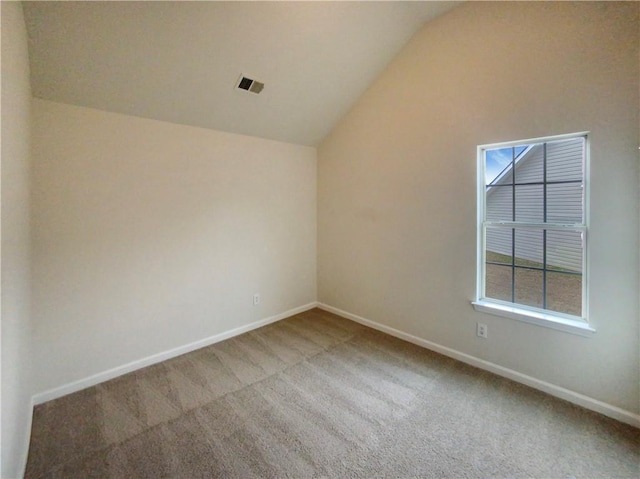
(250, 85)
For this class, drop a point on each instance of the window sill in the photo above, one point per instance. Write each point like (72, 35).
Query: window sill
(534, 317)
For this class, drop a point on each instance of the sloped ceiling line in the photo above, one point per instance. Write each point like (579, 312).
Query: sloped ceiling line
(179, 61)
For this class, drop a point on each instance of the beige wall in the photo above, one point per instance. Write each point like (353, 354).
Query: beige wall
(148, 236)
(16, 328)
(397, 183)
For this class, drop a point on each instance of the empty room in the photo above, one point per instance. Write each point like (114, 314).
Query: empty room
(320, 239)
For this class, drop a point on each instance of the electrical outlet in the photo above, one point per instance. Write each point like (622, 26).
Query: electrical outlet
(256, 299)
(482, 330)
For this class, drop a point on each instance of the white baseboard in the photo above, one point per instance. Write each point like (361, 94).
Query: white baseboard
(25, 450)
(576, 398)
(156, 358)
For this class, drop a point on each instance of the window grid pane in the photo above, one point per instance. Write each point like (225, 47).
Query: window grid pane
(529, 202)
(564, 293)
(529, 287)
(498, 282)
(565, 203)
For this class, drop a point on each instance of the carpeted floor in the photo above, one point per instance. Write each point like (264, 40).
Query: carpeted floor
(316, 395)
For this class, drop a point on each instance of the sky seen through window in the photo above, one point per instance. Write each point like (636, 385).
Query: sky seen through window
(497, 160)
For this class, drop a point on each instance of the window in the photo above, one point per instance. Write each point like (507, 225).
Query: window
(532, 231)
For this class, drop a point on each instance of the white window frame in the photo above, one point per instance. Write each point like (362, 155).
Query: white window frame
(541, 317)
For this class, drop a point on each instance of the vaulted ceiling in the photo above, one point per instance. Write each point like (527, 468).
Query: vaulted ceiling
(180, 61)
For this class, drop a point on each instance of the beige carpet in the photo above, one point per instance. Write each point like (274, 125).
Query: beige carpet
(316, 395)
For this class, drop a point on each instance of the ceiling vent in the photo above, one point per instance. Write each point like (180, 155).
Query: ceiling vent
(247, 84)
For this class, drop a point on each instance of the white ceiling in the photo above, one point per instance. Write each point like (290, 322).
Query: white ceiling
(180, 61)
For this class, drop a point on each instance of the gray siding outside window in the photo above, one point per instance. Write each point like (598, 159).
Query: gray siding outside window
(564, 204)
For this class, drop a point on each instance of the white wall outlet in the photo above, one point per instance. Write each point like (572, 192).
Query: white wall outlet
(256, 299)
(482, 330)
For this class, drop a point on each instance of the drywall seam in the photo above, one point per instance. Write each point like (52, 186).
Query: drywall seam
(159, 357)
(576, 398)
